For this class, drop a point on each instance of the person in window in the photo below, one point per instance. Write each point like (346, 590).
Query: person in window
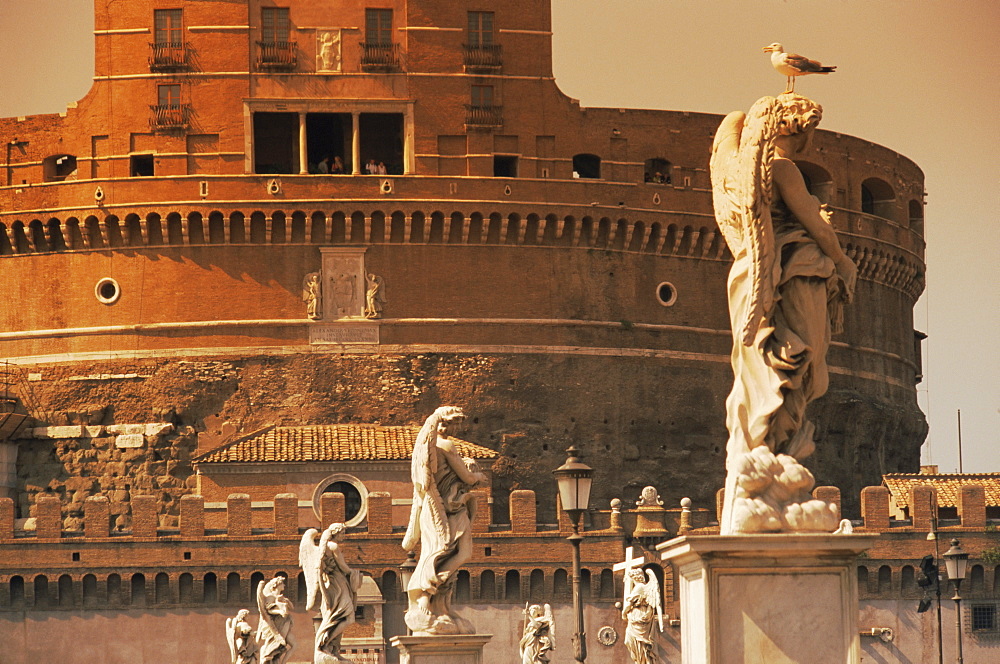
(324, 165)
(381, 168)
(371, 168)
(338, 166)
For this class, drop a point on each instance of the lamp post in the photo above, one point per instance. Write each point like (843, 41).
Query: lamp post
(574, 479)
(957, 562)
(405, 574)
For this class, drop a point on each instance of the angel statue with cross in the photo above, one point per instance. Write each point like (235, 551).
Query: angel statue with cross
(640, 605)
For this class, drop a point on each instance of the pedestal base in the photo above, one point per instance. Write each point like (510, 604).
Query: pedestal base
(456, 649)
(768, 599)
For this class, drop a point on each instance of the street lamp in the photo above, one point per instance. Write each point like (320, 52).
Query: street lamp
(574, 479)
(957, 562)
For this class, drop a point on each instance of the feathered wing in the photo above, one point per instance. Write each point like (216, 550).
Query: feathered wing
(231, 637)
(653, 595)
(423, 467)
(742, 154)
(309, 561)
(552, 626)
(266, 620)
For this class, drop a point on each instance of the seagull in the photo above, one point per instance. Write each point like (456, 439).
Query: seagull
(792, 65)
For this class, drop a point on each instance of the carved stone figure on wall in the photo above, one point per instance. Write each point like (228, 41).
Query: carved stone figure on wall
(328, 49)
(642, 610)
(538, 639)
(274, 631)
(440, 522)
(787, 287)
(312, 295)
(374, 296)
(344, 289)
(331, 584)
(239, 636)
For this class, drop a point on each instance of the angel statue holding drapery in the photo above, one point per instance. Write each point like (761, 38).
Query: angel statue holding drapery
(538, 639)
(239, 636)
(274, 631)
(441, 523)
(787, 287)
(332, 585)
(643, 611)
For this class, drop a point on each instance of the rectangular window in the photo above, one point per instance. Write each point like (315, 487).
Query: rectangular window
(984, 617)
(378, 26)
(167, 26)
(482, 96)
(275, 25)
(480, 28)
(168, 95)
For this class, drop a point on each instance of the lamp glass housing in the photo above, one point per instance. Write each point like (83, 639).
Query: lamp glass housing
(574, 479)
(956, 561)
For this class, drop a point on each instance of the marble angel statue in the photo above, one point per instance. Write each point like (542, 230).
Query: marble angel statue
(440, 522)
(538, 638)
(312, 295)
(642, 611)
(374, 296)
(239, 636)
(330, 584)
(787, 288)
(274, 631)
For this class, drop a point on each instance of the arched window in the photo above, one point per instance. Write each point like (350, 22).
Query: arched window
(233, 595)
(390, 585)
(657, 171)
(916, 212)
(586, 166)
(115, 590)
(89, 591)
(488, 585)
(877, 198)
(463, 586)
(65, 590)
(607, 584)
(355, 496)
(907, 580)
(818, 181)
(560, 584)
(976, 579)
(59, 167)
(536, 586)
(138, 594)
(41, 590)
(862, 579)
(884, 579)
(256, 579)
(210, 588)
(16, 592)
(585, 583)
(512, 586)
(185, 585)
(161, 588)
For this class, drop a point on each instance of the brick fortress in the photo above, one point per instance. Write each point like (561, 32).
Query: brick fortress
(555, 270)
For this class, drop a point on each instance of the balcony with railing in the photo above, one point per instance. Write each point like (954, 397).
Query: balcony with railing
(168, 56)
(483, 57)
(169, 116)
(483, 116)
(378, 56)
(277, 55)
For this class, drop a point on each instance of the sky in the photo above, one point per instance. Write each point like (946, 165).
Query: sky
(917, 76)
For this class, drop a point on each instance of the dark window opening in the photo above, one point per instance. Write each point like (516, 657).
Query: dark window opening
(984, 617)
(167, 28)
(58, 167)
(359, 613)
(382, 142)
(168, 95)
(586, 166)
(275, 24)
(504, 166)
(947, 512)
(329, 143)
(657, 171)
(352, 497)
(141, 165)
(482, 96)
(378, 27)
(480, 28)
(275, 139)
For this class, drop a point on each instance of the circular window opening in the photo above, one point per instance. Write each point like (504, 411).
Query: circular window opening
(107, 291)
(355, 497)
(666, 294)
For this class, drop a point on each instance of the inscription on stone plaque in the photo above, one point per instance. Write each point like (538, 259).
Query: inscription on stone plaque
(343, 334)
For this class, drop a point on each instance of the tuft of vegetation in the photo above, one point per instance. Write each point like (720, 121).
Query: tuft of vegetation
(991, 555)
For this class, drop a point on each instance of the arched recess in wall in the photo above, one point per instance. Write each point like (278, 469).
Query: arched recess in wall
(884, 579)
(916, 214)
(233, 594)
(355, 496)
(185, 587)
(161, 588)
(818, 181)
(862, 579)
(487, 585)
(512, 585)
(257, 578)
(389, 585)
(877, 198)
(41, 591)
(560, 584)
(115, 590)
(89, 591)
(463, 586)
(137, 596)
(586, 166)
(585, 583)
(65, 591)
(657, 171)
(607, 584)
(54, 231)
(17, 592)
(536, 586)
(59, 167)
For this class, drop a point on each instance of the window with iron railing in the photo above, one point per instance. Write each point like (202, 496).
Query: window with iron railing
(482, 52)
(483, 111)
(276, 50)
(378, 51)
(167, 51)
(169, 112)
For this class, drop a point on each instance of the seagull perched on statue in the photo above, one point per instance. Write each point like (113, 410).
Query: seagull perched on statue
(792, 65)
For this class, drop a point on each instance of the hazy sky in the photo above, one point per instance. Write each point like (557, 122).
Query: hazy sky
(917, 76)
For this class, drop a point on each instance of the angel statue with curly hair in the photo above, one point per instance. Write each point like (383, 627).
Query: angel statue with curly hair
(440, 522)
(239, 636)
(787, 287)
(642, 611)
(331, 584)
(538, 637)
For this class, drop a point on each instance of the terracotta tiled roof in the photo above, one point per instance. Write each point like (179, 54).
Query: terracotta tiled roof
(947, 485)
(330, 442)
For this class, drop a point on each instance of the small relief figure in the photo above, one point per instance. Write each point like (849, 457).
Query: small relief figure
(539, 637)
(242, 645)
(274, 632)
(440, 523)
(649, 498)
(344, 294)
(642, 610)
(374, 296)
(329, 50)
(312, 296)
(332, 584)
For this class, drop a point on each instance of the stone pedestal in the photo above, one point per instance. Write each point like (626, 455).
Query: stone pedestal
(768, 599)
(456, 649)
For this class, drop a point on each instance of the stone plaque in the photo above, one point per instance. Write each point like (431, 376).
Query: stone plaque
(343, 282)
(343, 334)
(328, 50)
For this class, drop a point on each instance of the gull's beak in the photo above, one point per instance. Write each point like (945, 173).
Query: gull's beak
(767, 49)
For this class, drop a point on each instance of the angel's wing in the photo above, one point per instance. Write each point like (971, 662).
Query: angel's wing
(423, 466)
(309, 561)
(653, 595)
(552, 626)
(742, 154)
(231, 637)
(266, 620)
